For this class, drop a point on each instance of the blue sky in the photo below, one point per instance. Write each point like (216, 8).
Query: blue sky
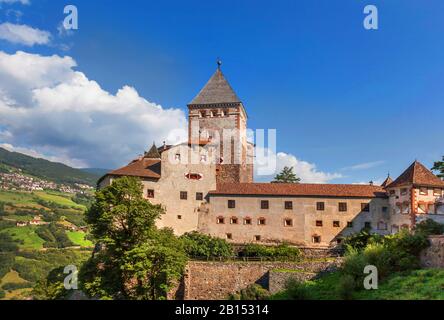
(354, 102)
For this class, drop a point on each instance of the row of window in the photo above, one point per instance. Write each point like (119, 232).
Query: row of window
(422, 191)
(183, 195)
(257, 237)
(288, 205)
(213, 113)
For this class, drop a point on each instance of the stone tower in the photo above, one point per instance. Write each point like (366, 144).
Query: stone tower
(217, 117)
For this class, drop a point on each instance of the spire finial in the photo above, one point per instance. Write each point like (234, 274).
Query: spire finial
(219, 63)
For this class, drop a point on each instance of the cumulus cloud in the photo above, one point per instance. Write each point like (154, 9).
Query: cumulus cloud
(23, 34)
(50, 110)
(46, 104)
(307, 171)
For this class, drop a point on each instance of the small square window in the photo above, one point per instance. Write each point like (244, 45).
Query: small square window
(288, 222)
(367, 225)
(229, 236)
(320, 206)
(423, 191)
(316, 239)
(220, 220)
(289, 205)
(199, 196)
(261, 221)
(392, 193)
(150, 193)
(437, 192)
(342, 206)
(231, 204)
(183, 195)
(247, 221)
(233, 220)
(264, 204)
(385, 209)
(365, 207)
(336, 224)
(350, 224)
(179, 217)
(257, 237)
(403, 191)
(318, 223)
(177, 156)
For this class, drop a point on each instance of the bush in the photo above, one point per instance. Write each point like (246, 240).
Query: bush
(297, 290)
(200, 245)
(10, 286)
(54, 236)
(346, 287)
(252, 292)
(395, 253)
(2, 294)
(429, 227)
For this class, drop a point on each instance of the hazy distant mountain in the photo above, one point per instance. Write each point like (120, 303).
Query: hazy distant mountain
(44, 169)
(97, 171)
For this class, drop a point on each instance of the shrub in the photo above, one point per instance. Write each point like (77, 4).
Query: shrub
(14, 286)
(429, 227)
(252, 292)
(2, 294)
(346, 287)
(200, 245)
(297, 290)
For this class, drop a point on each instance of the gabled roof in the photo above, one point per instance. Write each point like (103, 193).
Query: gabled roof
(387, 181)
(143, 168)
(417, 175)
(217, 90)
(299, 189)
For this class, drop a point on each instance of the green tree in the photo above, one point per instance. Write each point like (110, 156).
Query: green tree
(439, 166)
(286, 176)
(137, 261)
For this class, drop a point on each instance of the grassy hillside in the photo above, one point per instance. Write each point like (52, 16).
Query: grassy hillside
(47, 170)
(424, 284)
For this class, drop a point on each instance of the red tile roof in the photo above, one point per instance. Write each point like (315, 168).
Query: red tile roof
(300, 189)
(417, 175)
(143, 168)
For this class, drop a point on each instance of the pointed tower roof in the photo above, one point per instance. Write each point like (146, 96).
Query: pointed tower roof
(153, 153)
(387, 181)
(217, 90)
(418, 175)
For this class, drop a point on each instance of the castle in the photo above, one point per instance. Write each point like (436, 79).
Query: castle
(206, 184)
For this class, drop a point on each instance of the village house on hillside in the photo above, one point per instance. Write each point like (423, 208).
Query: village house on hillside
(218, 197)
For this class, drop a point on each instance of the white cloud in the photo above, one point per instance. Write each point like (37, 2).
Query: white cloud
(23, 34)
(305, 170)
(364, 166)
(58, 111)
